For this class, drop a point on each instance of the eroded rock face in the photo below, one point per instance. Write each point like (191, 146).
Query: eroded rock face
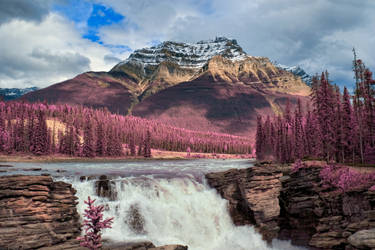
(36, 212)
(314, 215)
(253, 196)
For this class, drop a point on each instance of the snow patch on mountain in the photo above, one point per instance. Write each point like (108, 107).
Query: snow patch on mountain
(186, 55)
(298, 71)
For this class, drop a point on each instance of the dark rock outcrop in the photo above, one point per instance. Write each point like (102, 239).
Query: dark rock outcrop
(322, 217)
(105, 188)
(36, 212)
(253, 196)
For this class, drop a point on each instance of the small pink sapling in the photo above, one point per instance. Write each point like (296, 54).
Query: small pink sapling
(93, 225)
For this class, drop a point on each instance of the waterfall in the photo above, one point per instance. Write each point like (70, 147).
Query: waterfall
(179, 210)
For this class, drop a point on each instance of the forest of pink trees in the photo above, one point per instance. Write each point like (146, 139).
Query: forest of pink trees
(44, 129)
(334, 126)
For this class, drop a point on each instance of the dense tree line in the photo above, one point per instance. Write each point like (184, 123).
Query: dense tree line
(338, 127)
(44, 129)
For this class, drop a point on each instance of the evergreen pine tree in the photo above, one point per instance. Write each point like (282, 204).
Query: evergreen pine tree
(88, 149)
(147, 145)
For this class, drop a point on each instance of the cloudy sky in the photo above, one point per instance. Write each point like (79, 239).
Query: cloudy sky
(47, 41)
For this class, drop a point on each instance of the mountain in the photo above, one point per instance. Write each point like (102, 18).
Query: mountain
(93, 89)
(297, 71)
(14, 93)
(170, 63)
(209, 85)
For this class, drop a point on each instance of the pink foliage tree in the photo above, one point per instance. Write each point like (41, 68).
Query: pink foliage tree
(88, 149)
(93, 226)
(298, 165)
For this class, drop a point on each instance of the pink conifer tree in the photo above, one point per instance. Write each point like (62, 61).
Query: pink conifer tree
(298, 132)
(132, 146)
(88, 149)
(147, 145)
(93, 226)
(40, 142)
(259, 139)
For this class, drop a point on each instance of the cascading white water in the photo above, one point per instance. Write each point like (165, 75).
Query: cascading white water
(172, 211)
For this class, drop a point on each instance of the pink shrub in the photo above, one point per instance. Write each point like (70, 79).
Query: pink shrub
(94, 224)
(372, 188)
(345, 178)
(298, 165)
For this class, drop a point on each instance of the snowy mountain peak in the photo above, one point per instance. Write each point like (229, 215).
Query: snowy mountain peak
(186, 55)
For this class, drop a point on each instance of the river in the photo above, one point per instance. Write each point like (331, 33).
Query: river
(166, 202)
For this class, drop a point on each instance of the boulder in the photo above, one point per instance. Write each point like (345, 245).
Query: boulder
(364, 239)
(104, 188)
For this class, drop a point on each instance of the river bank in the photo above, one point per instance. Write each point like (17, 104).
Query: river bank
(156, 155)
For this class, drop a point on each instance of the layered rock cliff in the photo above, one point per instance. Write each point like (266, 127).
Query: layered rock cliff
(303, 210)
(253, 196)
(37, 212)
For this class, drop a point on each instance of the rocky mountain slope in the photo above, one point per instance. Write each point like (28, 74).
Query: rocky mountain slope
(210, 85)
(297, 71)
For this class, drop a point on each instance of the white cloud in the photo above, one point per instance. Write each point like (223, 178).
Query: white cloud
(318, 34)
(41, 49)
(39, 54)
